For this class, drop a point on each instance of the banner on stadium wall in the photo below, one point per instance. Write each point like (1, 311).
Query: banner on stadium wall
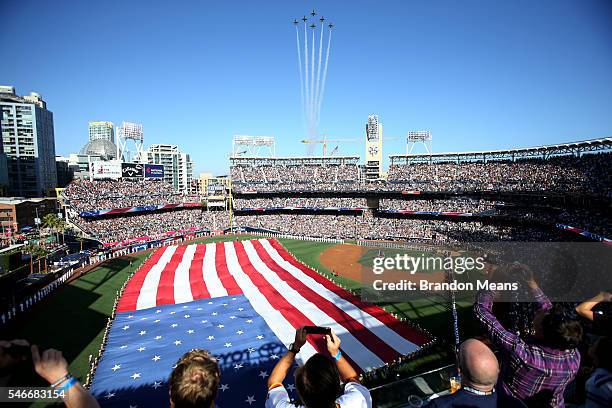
(106, 169)
(132, 170)
(154, 171)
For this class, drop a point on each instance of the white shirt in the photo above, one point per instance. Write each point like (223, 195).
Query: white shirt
(355, 396)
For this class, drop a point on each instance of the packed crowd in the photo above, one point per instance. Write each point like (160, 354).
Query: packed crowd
(468, 205)
(314, 202)
(587, 174)
(295, 173)
(368, 227)
(86, 195)
(151, 225)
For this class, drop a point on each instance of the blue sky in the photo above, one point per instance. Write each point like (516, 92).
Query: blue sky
(479, 74)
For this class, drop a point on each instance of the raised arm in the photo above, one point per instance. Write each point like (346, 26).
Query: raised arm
(53, 367)
(347, 372)
(284, 364)
(585, 309)
(483, 309)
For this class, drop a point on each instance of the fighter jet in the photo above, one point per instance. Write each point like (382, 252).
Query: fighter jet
(313, 26)
(313, 13)
(321, 19)
(304, 19)
(295, 22)
(331, 26)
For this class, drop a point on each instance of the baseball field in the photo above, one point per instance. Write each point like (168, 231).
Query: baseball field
(74, 317)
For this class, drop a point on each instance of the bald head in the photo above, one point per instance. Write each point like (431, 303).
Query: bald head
(478, 364)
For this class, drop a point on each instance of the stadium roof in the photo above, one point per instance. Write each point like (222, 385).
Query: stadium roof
(573, 148)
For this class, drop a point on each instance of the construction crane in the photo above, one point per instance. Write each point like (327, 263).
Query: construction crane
(325, 141)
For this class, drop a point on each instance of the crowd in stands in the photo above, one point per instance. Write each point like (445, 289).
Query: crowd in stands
(468, 205)
(151, 225)
(86, 195)
(315, 202)
(587, 174)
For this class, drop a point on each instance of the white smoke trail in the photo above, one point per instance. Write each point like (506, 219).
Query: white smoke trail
(306, 110)
(299, 52)
(312, 109)
(316, 100)
(320, 97)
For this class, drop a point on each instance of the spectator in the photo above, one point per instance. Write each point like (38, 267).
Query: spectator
(599, 385)
(194, 382)
(318, 381)
(536, 370)
(479, 370)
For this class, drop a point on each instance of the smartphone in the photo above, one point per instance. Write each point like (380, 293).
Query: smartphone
(317, 330)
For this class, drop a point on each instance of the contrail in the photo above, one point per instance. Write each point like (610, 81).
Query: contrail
(316, 100)
(306, 76)
(312, 110)
(320, 98)
(297, 37)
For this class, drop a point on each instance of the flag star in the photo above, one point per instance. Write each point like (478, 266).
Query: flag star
(238, 366)
(157, 337)
(291, 387)
(177, 342)
(173, 325)
(250, 321)
(251, 350)
(274, 356)
(259, 337)
(172, 312)
(135, 375)
(224, 387)
(143, 332)
(157, 384)
(223, 304)
(239, 332)
(123, 347)
(185, 307)
(190, 331)
(109, 395)
(250, 399)
(240, 309)
(158, 311)
(211, 337)
(187, 316)
(143, 318)
(141, 348)
(204, 321)
(156, 321)
(263, 374)
(156, 358)
(214, 313)
(116, 367)
(125, 327)
(210, 303)
(199, 308)
(228, 344)
(220, 326)
(130, 316)
(232, 317)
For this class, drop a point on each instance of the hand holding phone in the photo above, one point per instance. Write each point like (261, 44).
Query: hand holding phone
(317, 330)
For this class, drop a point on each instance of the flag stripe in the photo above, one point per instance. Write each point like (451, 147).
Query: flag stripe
(148, 292)
(209, 272)
(397, 326)
(354, 324)
(238, 264)
(132, 290)
(165, 288)
(393, 339)
(298, 305)
(182, 285)
(196, 277)
(228, 281)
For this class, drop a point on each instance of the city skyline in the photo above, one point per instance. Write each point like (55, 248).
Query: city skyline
(478, 77)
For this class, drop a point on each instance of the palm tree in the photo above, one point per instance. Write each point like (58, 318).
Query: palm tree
(37, 251)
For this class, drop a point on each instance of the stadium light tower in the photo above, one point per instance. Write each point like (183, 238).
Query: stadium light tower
(418, 136)
(130, 131)
(252, 146)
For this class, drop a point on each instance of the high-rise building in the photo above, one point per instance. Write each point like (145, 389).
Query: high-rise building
(28, 143)
(101, 131)
(178, 167)
(373, 145)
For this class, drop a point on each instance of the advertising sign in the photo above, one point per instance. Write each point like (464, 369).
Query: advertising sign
(105, 169)
(154, 171)
(133, 170)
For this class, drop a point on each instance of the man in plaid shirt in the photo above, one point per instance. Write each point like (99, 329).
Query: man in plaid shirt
(539, 368)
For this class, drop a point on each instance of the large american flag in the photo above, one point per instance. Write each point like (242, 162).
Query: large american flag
(242, 301)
